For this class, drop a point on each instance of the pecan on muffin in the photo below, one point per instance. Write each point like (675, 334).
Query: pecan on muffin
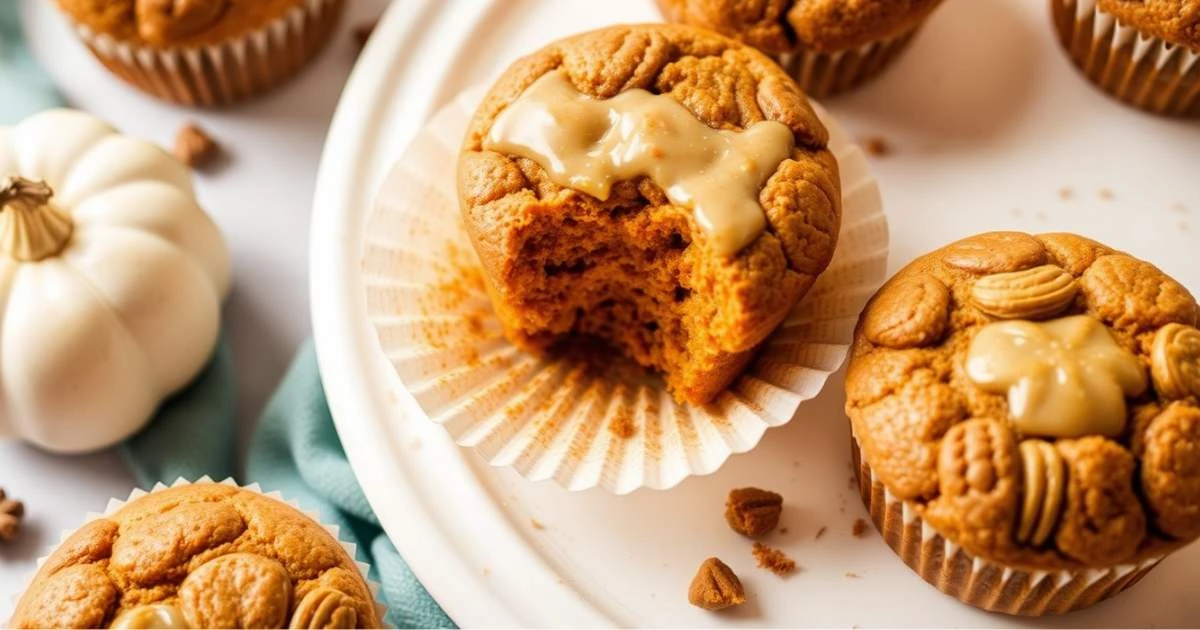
(203, 555)
(662, 188)
(204, 52)
(1143, 52)
(1026, 412)
(829, 46)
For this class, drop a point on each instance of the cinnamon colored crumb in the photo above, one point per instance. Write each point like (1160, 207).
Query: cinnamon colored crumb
(1066, 194)
(536, 524)
(860, 527)
(195, 147)
(851, 574)
(1106, 194)
(876, 146)
(622, 425)
(773, 560)
(820, 532)
(783, 530)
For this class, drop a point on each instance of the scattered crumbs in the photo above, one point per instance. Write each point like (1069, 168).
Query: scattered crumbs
(852, 482)
(1066, 194)
(820, 532)
(362, 33)
(536, 524)
(851, 574)
(1178, 207)
(783, 530)
(876, 146)
(622, 425)
(1106, 194)
(773, 560)
(195, 147)
(860, 528)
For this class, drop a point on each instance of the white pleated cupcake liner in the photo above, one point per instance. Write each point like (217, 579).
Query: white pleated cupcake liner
(223, 73)
(552, 418)
(982, 583)
(826, 73)
(115, 504)
(1133, 66)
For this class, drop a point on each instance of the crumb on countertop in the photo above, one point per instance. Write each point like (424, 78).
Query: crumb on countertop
(773, 560)
(860, 527)
(1106, 194)
(820, 532)
(195, 147)
(1066, 193)
(536, 524)
(876, 146)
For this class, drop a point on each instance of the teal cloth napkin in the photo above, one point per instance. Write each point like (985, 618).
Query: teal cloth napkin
(295, 450)
(25, 88)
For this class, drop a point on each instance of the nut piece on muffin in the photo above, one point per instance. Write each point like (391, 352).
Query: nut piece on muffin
(1033, 400)
(201, 556)
(204, 52)
(1159, 72)
(829, 46)
(579, 245)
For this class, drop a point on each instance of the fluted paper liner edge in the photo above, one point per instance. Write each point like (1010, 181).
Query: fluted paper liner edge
(550, 419)
(115, 504)
(225, 72)
(1130, 65)
(979, 582)
(826, 73)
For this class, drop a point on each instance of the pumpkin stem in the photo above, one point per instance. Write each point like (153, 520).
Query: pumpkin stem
(31, 228)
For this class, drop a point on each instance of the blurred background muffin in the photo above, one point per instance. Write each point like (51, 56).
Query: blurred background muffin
(1143, 52)
(204, 52)
(829, 46)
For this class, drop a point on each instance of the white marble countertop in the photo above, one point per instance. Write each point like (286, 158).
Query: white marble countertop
(262, 200)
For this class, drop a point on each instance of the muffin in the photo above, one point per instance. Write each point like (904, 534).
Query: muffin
(204, 52)
(1027, 422)
(829, 46)
(203, 555)
(685, 256)
(1143, 52)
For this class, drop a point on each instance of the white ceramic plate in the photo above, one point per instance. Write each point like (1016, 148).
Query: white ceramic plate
(990, 128)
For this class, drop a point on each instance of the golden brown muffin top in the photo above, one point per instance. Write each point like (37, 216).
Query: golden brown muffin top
(932, 435)
(724, 84)
(1176, 21)
(783, 26)
(215, 555)
(176, 23)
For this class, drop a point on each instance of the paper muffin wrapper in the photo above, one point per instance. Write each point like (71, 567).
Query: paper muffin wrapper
(115, 504)
(553, 418)
(822, 74)
(982, 583)
(1135, 67)
(224, 73)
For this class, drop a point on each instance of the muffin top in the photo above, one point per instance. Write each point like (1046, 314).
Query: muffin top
(1176, 21)
(783, 26)
(1036, 397)
(725, 85)
(202, 556)
(176, 23)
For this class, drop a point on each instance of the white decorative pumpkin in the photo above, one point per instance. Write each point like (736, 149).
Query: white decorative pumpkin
(111, 281)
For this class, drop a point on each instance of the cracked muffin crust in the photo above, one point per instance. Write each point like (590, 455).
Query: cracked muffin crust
(1176, 21)
(820, 42)
(208, 555)
(636, 270)
(956, 452)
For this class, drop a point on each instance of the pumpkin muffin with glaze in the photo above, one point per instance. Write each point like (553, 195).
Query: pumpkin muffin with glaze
(829, 46)
(204, 52)
(1027, 419)
(1142, 52)
(662, 188)
(203, 555)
